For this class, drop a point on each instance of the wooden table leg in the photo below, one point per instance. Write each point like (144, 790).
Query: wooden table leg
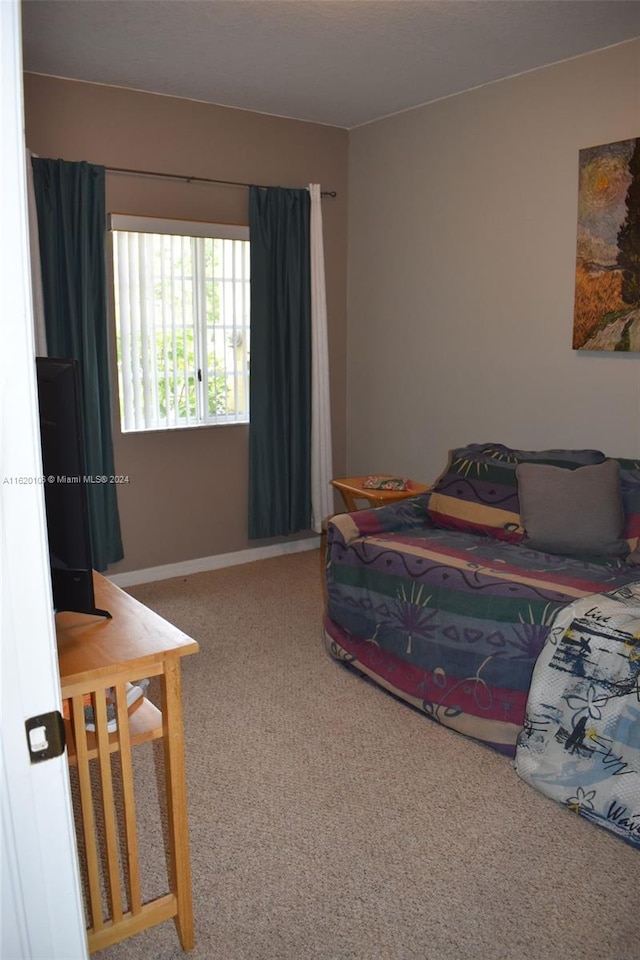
(175, 773)
(349, 501)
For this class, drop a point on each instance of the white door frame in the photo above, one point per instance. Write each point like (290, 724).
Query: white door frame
(42, 914)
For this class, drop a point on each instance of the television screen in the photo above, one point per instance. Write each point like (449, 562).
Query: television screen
(65, 484)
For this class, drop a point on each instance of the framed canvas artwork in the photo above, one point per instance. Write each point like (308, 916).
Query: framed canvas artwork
(607, 292)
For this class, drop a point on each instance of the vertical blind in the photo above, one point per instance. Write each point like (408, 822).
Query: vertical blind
(182, 324)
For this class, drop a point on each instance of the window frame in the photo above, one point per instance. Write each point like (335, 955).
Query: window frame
(190, 229)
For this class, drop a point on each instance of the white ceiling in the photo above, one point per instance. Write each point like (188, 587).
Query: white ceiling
(338, 62)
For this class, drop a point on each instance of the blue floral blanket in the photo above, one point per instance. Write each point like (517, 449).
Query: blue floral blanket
(581, 741)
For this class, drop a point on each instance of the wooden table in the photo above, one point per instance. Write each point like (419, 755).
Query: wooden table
(94, 654)
(352, 489)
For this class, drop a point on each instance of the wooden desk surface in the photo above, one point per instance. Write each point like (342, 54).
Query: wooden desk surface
(91, 646)
(94, 653)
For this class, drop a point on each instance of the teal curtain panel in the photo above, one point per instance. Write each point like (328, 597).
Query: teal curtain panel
(280, 388)
(70, 200)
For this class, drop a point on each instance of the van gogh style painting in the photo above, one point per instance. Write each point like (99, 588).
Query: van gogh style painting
(607, 295)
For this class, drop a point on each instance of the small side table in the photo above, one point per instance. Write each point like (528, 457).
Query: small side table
(352, 489)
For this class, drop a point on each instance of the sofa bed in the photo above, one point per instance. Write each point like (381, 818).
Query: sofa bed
(449, 599)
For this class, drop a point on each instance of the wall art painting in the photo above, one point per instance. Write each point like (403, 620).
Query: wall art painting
(607, 295)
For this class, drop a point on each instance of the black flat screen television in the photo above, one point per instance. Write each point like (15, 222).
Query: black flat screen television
(66, 485)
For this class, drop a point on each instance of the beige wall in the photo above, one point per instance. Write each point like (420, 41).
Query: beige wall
(462, 240)
(187, 495)
(462, 230)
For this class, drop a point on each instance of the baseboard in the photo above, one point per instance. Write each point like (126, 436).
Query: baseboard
(202, 564)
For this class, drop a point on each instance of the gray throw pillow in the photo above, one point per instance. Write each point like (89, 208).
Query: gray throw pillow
(572, 511)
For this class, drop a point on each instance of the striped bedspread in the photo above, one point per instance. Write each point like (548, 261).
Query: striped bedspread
(452, 622)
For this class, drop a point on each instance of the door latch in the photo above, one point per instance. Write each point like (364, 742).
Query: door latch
(45, 736)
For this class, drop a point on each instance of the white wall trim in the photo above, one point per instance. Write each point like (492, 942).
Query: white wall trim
(202, 564)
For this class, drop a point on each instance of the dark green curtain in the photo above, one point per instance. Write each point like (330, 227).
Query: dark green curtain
(70, 200)
(280, 385)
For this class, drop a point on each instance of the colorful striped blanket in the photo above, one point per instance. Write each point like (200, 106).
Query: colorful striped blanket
(453, 622)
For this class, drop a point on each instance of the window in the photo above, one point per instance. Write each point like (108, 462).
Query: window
(182, 322)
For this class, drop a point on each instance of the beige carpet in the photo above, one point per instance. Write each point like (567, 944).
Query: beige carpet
(328, 821)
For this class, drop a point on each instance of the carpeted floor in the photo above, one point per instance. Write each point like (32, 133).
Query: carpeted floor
(328, 821)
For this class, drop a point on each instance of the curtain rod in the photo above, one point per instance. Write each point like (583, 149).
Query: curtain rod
(186, 179)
